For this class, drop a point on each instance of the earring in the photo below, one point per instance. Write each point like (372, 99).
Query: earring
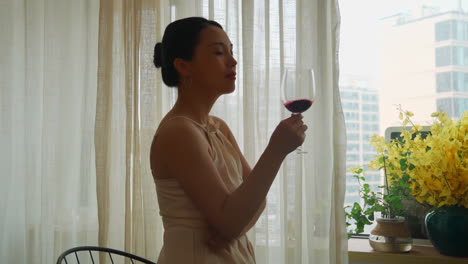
(187, 81)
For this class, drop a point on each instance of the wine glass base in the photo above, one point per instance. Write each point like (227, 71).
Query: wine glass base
(301, 151)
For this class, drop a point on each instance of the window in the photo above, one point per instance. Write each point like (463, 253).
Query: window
(368, 148)
(370, 107)
(370, 127)
(353, 188)
(453, 106)
(451, 30)
(461, 82)
(352, 148)
(369, 157)
(350, 106)
(352, 137)
(460, 56)
(461, 104)
(412, 53)
(375, 177)
(444, 82)
(452, 82)
(443, 30)
(352, 126)
(370, 117)
(366, 137)
(349, 96)
(459, 30)
(443, 55)
(369, 97)
(352, 157)
(446, 105)
(352, 116)
(452, 55)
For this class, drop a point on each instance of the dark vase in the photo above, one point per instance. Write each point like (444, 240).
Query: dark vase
(448, 230)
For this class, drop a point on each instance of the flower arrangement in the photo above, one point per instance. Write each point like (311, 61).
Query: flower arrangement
(430, 168)
(435, 167)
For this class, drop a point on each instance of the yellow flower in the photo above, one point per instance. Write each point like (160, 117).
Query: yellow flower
(379, 143)
(437, 165)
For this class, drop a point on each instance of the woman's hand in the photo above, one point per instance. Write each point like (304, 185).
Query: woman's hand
(216, 242)
(288, 135)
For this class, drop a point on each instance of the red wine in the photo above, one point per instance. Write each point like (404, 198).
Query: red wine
(298, 106)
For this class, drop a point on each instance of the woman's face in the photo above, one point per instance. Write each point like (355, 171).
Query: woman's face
(213, 65)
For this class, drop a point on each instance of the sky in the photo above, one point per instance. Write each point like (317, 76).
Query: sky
(359, 25)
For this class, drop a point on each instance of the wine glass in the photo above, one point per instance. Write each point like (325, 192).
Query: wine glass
(298, 91)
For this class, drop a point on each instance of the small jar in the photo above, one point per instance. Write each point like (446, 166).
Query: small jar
(391, 235)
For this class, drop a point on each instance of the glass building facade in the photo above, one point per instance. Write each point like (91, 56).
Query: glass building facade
(361, 108)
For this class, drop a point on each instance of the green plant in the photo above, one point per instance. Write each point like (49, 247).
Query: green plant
(387, 201)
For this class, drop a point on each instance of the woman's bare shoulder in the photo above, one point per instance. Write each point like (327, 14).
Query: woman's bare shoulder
(172, 136)
(173, 128)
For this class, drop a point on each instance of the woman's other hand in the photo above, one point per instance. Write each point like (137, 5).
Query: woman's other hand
(217, 243)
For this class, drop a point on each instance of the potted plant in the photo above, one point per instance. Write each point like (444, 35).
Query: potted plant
(390, 234)
(435, 169)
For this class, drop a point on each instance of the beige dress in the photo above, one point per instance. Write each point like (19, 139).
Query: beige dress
(185, 228)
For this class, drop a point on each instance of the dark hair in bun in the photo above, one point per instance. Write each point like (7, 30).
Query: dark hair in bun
(179, 41)
(157, 55)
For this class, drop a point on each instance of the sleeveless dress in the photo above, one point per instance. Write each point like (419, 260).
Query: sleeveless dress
(185, 228)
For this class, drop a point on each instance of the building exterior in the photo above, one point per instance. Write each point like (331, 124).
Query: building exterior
(424, 64)
(361, 108)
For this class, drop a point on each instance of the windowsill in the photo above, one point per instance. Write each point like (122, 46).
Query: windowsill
(360, 251)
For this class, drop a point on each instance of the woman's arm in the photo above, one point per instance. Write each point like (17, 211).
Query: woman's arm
(246, 170)
(187, 159)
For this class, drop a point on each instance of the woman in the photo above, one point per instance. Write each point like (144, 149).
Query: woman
(208, 195)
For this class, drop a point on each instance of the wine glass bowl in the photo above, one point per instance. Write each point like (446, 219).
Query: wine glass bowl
(299, 105)
(298, 91)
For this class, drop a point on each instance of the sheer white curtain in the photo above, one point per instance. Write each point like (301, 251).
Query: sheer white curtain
(304, 221)
(130, 99)
(48, 65)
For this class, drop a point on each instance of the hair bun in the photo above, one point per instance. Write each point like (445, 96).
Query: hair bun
(157, 58)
